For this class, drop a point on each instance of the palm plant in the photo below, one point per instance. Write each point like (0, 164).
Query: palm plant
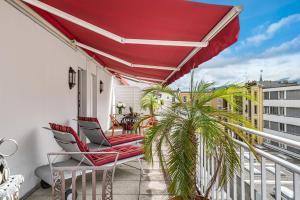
(152, 102)
(180, 125)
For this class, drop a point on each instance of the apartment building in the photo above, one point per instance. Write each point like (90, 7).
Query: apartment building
(282, 115)
(252, 108)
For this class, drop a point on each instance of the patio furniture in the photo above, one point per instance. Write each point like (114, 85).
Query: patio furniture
(91, 128)
(9, 184)
(128, 123)
(150, 123)
(80, 154)
(114, 124)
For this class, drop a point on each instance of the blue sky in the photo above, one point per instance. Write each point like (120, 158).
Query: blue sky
(269, 40)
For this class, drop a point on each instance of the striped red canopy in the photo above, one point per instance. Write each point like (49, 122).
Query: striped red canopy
(175, 20)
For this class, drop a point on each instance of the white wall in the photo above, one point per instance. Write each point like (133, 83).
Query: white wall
(34, 89)
(130, 95)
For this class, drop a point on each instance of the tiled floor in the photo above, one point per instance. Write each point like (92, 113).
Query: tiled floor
(128, 184)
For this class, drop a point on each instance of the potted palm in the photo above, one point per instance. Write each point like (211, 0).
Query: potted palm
(151, 102)
(180, 125)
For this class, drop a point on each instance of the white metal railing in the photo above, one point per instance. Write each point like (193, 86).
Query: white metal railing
(61, 172)
(259, 183)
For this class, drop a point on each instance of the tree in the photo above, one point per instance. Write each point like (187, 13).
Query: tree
(179, 127)
(152, 102)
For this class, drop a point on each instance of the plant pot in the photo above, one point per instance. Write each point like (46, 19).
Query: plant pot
(200, 197)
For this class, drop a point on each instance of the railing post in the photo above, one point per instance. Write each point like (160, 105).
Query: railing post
(278, 182)
(93, 184)
(83, 185)
(204, 167)
(234, 187)
(251, 167)
(201, 164)
(263, 179)
(242, 173)
(296, 186)
(212, 171)
(74, 185)
(228, 190)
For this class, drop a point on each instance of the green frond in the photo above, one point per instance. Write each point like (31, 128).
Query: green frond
(174, 139)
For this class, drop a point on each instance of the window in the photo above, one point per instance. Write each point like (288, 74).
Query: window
(266, 124)
(173, 99)
(184, 98)
(281, 127)
(281, 94)
(266, 109)
(266, 95)
(255, 109)
(255, 96)
(246, 108)
(283, 146)
(267, 140)
(255, 123)
(273, 110)
(281, 111)
(274, 126)
(293, 112)
(293, 94)
(274, 95)
(293, 129)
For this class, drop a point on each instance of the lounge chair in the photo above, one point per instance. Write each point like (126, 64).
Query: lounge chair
(91, 128)
(80, 154)
(69, 140)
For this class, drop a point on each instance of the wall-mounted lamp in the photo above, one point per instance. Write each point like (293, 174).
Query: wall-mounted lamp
(101, 86)
(72, 78)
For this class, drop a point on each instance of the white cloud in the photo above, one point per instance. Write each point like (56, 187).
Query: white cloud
(284, 47)
(274, 68)
(271, 30)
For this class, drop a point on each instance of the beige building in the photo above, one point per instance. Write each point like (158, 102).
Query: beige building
(251, 108)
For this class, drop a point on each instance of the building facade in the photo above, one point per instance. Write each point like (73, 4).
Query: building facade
(253, 107)
(282, 116)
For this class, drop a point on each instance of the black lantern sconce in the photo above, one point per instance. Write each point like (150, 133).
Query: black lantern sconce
(101, 87)
(72, 78)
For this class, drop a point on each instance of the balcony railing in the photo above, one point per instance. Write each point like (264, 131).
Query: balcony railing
(269, 177)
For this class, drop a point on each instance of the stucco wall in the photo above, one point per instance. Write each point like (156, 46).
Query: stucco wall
(34, 90)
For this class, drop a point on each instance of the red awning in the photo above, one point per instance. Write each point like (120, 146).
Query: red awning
(170, 20)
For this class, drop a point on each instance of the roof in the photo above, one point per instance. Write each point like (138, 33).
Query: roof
(157, 41)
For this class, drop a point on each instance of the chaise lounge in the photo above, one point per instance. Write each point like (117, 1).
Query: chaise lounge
(91, 128)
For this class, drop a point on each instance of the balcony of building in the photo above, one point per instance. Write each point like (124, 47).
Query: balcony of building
(59, 62)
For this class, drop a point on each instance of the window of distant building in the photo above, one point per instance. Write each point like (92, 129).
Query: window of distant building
(281, 127)
(266, 124)
(266, 109)
(246, 108)
(266, 95)
(255, 123)
(184, 98)
(283, 146)
(274, 95)
(281, 94)
(281, 111)
(274, 110)
(255, 109)
(255, 96)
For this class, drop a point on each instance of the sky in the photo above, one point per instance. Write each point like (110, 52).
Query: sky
(269, 40)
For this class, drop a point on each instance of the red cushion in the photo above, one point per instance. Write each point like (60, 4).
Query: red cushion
(125, 151)
(88, 119)
(124, 138)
